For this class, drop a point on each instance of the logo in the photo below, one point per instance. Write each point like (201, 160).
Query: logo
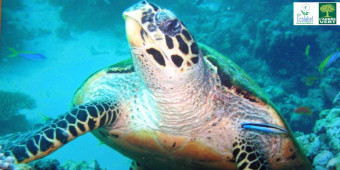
(303, 16)
(305, 9)
(316, 13)
(327, 13)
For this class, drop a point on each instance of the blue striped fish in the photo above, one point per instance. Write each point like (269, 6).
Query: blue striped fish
(264, 127)
(26, 54)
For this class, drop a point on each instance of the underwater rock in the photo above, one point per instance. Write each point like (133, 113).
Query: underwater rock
(334, 163)
(336, 100)
(321, 160)
(256, 65)
(23, 167)
(330, 83)
(276, 92)
(315, 100)
(93, 165)
(274, 39)
(50, 164)
(300, 122)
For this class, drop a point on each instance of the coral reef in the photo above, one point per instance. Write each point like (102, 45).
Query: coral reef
(321, 145)
(10, 106)
(47, 164)
(53, 164)
(329, 124)
(6, 162)
(12, 102)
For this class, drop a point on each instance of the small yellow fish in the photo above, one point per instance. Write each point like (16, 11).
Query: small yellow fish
(309, 80)
(46, 118)
(100, 143)
(307, 52)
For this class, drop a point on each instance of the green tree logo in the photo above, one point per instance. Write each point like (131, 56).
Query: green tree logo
(327, 13)
(327, 8)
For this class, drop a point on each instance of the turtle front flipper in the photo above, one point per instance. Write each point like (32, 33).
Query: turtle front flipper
(248, 152)
(79, 120)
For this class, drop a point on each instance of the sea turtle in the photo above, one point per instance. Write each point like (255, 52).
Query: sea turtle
(176, 105)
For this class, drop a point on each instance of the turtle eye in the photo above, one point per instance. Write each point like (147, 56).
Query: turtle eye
(168, 23)
(170, 26)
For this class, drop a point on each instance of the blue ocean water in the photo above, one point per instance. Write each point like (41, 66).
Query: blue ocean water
(78, 38)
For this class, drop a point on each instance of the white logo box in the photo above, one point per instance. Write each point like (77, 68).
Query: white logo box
(313, 11)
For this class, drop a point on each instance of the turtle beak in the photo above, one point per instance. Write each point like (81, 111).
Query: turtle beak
(131, 11)
(133, 28)
(132, 25)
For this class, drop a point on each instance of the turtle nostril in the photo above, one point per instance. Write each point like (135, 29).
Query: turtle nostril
(135, 7)
(143, 2)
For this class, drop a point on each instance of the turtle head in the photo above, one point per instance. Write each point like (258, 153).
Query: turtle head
(161, 46)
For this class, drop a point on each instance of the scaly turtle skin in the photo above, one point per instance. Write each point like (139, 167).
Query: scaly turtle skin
(175, 105)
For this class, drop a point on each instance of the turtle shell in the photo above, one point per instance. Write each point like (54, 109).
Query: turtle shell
(148, 146)
(234, 77)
